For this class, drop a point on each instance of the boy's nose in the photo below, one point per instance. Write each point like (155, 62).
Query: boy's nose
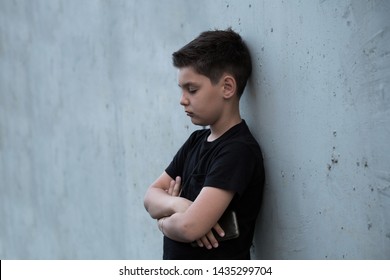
(183, 100)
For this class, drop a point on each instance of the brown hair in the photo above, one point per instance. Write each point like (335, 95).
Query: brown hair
(214, 53)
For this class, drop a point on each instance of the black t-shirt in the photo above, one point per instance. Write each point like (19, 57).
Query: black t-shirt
(233, 162)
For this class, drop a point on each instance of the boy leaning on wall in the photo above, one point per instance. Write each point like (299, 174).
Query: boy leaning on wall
(208, 198)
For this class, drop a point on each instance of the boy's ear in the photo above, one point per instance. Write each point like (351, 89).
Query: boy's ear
(229, 86)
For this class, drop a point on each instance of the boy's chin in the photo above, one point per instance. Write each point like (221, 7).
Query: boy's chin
(197, 122)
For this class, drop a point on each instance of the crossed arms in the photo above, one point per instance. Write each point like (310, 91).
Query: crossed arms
(183, 220)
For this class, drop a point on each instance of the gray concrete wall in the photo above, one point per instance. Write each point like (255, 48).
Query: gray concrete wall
(90, 115)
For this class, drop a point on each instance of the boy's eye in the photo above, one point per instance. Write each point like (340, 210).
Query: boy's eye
(192, 89)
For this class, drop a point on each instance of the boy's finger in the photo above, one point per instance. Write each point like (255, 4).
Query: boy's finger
(177, 186)
(200, 244)
(206, 243)
(171, 187)
(212, 240)
(219, 230)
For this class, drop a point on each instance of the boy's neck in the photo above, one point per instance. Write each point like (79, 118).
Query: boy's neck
(219, 128)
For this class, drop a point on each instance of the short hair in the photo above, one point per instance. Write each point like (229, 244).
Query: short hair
(215, 52)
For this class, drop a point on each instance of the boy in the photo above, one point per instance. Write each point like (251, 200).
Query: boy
(217, 169)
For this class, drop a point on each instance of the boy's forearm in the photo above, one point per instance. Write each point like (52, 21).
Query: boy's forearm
(181, 228)
(175, 228)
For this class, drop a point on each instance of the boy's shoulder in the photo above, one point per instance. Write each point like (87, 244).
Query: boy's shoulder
(241, 140)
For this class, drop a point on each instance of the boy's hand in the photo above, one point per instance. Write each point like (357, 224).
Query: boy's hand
(209, 241)
(175, 187)
(181, 204)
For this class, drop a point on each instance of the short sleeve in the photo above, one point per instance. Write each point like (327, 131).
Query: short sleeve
(176, 167)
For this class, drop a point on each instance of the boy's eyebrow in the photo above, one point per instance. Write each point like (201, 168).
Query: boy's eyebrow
(187, 84)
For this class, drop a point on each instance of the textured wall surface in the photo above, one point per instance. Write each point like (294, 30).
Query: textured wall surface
(90, 116)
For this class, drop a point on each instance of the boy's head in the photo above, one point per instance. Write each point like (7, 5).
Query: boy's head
(214, 53)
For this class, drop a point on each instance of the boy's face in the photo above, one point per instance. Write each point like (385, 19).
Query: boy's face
(202, 100)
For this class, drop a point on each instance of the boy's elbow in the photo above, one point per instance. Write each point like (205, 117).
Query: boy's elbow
(153, 213)
(146, 202)
(148, 207)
